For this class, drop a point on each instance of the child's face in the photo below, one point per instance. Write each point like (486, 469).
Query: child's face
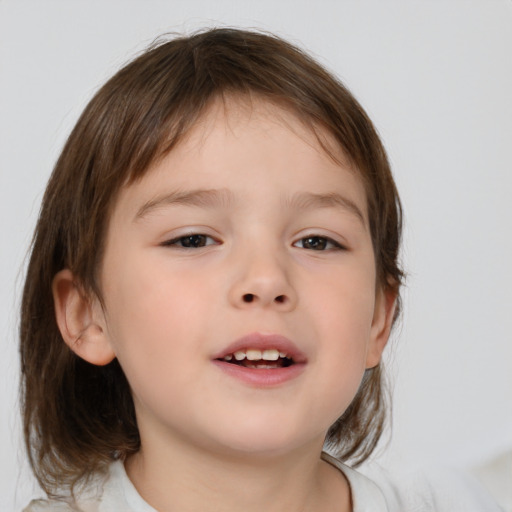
(277, 254)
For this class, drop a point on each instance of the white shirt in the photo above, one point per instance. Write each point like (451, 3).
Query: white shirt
(442, 492)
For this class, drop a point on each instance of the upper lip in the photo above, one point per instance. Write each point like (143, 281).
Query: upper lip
(262, 341)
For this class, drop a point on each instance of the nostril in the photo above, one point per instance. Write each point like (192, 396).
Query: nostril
(248, 298)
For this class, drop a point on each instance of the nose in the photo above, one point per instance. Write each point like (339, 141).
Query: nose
(262, 279)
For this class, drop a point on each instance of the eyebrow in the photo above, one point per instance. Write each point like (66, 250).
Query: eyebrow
(309, 200)
(211, 198)
(205, 198)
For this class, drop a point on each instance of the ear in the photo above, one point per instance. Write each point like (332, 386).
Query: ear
(384, 313)
(81, 320)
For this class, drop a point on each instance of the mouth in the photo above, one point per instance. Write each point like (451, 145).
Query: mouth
(267, 359)
(262, 360)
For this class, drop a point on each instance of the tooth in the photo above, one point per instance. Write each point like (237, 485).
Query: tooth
(239, 355)
(228, 357)
(283, 354)
(253, 354)
(270, 355)
(261, 366)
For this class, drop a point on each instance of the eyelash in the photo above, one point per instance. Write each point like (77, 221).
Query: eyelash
(182, 241)
(199, 240)
(324, 241)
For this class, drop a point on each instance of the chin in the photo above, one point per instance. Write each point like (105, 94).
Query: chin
(266, 440)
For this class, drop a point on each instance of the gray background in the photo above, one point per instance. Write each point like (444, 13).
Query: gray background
(435, 76)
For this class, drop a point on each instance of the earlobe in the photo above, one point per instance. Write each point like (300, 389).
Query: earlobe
(385, 306)
(80, 320)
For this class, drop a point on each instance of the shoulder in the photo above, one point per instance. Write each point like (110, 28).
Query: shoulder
(87, 498)
(61, 506)
(443, 489)
(436, 489)
(47, 506)
(110, 492)
(366, 494)
(432, 490)
(42, 505)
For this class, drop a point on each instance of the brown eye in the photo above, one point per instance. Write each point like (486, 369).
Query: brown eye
(194, 241)
(317, 243)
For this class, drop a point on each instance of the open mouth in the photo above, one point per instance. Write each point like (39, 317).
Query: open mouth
(259, 359)
(262, 360)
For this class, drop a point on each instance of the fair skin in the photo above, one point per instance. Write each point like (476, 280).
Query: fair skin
(246, 231)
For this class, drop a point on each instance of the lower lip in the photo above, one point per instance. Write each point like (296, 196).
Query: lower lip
(263, 377)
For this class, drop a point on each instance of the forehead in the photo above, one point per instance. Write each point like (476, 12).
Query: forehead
(232, 114)
(234, 144)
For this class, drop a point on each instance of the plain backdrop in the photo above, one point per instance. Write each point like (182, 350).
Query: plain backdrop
(436, 78)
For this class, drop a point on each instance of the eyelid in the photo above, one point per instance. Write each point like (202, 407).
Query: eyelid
(174, 240)
(337, 244)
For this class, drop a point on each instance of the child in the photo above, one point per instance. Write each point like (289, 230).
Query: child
(213, 280)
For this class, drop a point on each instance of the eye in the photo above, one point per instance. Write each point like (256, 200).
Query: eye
(193, 241)
(317, 243)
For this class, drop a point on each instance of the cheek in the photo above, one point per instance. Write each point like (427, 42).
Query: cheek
(344, 301)
(343, 313)
(148, 323)
(146, 311)
(149, 291)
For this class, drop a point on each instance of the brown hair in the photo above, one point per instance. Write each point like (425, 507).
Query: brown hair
(79, 417)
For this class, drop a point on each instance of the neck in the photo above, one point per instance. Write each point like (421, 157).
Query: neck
(190, 480)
